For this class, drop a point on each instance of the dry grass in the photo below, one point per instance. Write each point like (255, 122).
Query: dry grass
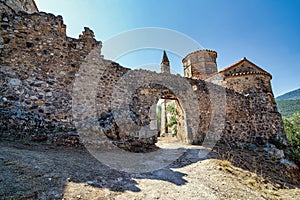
(250, 182)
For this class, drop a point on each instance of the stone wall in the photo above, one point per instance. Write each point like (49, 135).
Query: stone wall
(200, 64)
(40, 65)
(28, 6)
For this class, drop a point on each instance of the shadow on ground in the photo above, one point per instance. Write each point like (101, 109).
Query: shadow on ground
(38, 170)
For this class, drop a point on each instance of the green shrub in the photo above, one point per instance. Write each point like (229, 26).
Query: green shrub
(172, 121)
(292, 130)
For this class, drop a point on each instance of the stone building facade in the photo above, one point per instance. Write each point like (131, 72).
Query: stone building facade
(40, 64)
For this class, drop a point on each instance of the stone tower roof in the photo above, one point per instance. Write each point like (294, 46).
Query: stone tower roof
(35, 6)
(165, 64)
(165, 58)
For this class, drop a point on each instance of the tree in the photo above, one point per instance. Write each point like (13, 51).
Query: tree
(171, 109)
(292, 130)
(172, 121)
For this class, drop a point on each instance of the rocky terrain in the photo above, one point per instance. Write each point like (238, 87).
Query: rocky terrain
(41, 171)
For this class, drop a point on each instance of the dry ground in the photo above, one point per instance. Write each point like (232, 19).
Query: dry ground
(40, 171)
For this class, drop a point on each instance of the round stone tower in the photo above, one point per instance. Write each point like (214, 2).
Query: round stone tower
(200, 64)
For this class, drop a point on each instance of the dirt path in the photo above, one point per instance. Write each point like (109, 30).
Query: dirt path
(40, 171)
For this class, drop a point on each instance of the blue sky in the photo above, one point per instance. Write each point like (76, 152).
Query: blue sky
(267, 32)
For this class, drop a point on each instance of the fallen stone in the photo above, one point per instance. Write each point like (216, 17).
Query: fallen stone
(288, 164)
(15, 82)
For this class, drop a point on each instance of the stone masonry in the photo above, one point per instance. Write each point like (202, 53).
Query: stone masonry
(39, 64)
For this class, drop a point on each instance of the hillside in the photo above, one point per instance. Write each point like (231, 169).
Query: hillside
(292, 95)
(289, 103)
(288, 107)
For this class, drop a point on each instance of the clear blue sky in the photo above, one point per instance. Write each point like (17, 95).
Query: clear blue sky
(267, 32)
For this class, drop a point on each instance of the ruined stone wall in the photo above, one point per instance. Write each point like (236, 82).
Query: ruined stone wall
(250, 121)
(39, 64)
(133, 105)
(28, 6)
(106, 85)
(236, 119)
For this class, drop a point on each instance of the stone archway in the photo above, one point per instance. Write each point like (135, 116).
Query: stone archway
(171, 118)
(144, 107)
(132, 104)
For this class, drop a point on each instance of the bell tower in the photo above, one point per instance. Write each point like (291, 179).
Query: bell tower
(165, 64)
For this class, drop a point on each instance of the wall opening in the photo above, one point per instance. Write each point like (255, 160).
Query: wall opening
(170, 118)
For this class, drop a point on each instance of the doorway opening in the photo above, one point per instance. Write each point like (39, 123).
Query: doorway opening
(170, 119)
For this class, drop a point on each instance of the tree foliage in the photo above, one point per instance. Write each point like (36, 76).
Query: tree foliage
(292, 130)
(172, 119)
(172, 122)
(171, 109)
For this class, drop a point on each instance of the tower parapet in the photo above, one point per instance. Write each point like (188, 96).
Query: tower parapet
(200, 64)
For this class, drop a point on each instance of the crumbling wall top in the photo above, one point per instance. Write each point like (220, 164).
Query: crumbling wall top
(28, 6)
